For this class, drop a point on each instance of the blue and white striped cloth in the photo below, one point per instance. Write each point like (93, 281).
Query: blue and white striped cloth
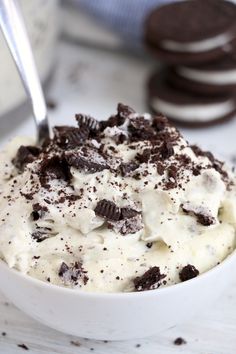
(125, 17)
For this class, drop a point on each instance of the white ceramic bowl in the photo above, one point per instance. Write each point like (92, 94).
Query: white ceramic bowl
(115, 316)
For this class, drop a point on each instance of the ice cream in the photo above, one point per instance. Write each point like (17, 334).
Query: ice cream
(119, 205)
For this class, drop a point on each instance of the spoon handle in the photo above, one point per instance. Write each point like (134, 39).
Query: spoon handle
(13, 28)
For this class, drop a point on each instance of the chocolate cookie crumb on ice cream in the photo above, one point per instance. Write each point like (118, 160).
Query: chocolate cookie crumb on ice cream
(124, 204)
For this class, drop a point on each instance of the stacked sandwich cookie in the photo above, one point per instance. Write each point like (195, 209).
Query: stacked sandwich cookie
(195, 41)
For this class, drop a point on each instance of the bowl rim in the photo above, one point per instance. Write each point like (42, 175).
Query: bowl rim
(121, 295)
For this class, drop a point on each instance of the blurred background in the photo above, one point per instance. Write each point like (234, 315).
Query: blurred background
(90, 55)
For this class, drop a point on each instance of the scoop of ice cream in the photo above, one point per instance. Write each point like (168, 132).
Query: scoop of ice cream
(124, 204)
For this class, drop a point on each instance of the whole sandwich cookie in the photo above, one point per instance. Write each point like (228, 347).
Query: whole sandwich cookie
(186, 108)
(210, 24)
(216, 77)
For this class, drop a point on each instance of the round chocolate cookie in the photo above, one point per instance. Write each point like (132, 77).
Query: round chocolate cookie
(192, 31)
(184, 107)
(214, 78)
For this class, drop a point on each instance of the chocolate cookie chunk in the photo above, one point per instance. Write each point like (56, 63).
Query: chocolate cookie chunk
(87, 160)
(108, 210)
(203, 216)
(130, 222)
(123, 220)
(55, 167)
(69, 138)
(150, 280)
(188, 272)
(73, 274)
(25, 155)
(87, 121)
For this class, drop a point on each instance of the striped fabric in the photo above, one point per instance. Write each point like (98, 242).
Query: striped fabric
(125, 17)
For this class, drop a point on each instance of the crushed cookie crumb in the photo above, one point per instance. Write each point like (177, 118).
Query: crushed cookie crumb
(23, 346)
(179, 341)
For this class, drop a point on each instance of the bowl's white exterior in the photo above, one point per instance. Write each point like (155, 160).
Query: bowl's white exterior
(115, 316)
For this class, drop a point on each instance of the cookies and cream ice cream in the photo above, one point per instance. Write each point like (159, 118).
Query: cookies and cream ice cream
(119, 205)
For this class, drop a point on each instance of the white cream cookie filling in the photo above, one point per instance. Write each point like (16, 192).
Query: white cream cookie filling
(223, 77)
(198, 46)
(194, 112)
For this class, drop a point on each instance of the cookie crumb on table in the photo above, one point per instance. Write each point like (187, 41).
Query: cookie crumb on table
(51, 104)
(179, 341)
(23, 346)
(76, 343)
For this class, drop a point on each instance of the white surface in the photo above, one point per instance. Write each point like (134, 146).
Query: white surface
(93, 82)
(211, 333)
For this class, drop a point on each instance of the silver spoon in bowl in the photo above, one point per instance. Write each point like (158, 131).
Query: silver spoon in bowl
(13, 28)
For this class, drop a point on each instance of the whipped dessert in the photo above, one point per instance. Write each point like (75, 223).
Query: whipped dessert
(124, 204)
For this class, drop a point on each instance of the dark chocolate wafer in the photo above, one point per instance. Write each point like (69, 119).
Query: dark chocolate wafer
(191, 31)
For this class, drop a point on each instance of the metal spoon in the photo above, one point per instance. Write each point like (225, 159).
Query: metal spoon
(13, 28)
